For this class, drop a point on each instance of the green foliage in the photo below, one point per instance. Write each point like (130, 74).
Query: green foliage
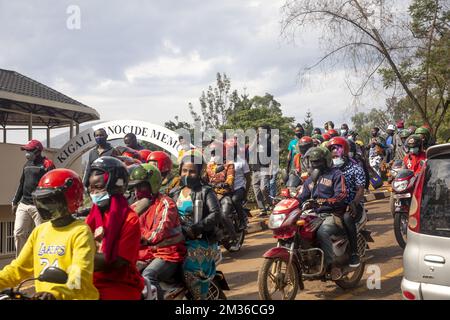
(308, 125)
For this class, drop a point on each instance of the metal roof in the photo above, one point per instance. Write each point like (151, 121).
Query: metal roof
(24, 95)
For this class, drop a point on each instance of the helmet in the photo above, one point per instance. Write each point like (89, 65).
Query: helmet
(59, 191)
(117, 174)
(339, 141)
(344, 126)
(304, 144)
(414, 141)
(163, 160)
(391, 127)
(144, 153)
(326, 136)
(146, 173)
(404, 133)
(128, 160)
(131, 154)
(193, 156)
(400, 124)
(424, 131)
(317, 139)
(315, 155)
(333, 133)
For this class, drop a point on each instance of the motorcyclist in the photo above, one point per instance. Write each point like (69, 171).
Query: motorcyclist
(425, 135)
(162, 247)
(199, 211)
(61, 241)
(355, 182)
(317, 140)
(326, 137)
(304, 145)
(327, 186)
(164, 163)
(356, 155)
(415, 156)
(116, 232)
(220, 174)
(242, 180)
(344, 130)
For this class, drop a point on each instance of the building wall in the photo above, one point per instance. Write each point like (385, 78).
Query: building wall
(12, 160)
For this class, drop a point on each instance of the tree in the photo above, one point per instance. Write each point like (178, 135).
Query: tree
(412, 52)
(216, 104)
(178, 125)
(308, 125)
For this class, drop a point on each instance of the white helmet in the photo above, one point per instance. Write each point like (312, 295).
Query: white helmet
(391, 127)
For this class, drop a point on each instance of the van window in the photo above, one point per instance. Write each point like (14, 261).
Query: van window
(435, 208)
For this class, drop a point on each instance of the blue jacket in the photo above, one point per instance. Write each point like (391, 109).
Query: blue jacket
(330, 189)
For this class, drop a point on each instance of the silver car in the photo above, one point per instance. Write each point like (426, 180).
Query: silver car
(426, 259)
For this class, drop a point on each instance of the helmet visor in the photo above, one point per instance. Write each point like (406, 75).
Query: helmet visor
(50, 203)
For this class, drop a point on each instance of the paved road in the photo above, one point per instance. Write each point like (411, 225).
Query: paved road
(241, 269)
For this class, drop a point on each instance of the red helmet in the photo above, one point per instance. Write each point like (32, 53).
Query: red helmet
(162, 159)
(58, 187)
(339, 141)
(400, 124)
(326, 136)
(304, 144)
(128, 161)
(333, 133)
(144, 153)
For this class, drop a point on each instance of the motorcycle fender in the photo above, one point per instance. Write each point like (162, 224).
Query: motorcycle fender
(366, 234)
(221, 281)
(278, 252)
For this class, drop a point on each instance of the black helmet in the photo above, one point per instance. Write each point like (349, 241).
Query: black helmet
(117, 173)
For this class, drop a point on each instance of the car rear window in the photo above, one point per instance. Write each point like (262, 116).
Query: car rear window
(435, 208)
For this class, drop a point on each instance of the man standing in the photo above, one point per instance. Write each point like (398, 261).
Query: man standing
(293, 151)
(22, 205)
(399, 146)
(261, 170)
(390, 143)
(130, 141)
(103, 148)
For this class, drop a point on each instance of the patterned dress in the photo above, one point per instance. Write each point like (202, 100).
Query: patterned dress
(199, 266)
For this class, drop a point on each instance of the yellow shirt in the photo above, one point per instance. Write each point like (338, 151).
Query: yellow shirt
(70, 248)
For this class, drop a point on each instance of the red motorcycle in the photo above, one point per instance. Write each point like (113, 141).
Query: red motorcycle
(298, 256)
(402, 190)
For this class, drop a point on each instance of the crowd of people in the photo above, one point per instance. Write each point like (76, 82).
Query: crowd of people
(147, 223)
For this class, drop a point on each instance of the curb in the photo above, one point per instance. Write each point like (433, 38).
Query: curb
(261, 224)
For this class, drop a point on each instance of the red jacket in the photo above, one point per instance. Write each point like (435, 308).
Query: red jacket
(412, 161)
(161, 223)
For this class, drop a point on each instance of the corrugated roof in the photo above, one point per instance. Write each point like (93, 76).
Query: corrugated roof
(20, 93)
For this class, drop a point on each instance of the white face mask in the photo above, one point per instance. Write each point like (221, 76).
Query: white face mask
(338, 162)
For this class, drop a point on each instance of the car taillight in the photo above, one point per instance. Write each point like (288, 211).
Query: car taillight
(409, 295)
(416, 201)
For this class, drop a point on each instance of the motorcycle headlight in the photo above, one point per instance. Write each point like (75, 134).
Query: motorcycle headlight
(276, 220)
(400, 186)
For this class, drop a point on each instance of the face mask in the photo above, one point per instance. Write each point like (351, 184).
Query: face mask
(338, 162)
(143, 194)
(344, 132)
(30, 155)
(414, 150)
(100, 199)
(189, 181)
(100, 140)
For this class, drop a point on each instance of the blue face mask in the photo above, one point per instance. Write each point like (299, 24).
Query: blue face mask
(338, 162)
(100, 140)
(100, 199)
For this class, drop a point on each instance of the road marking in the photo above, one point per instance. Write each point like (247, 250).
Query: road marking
(390, 275)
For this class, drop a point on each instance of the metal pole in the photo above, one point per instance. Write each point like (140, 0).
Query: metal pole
(48, 137)
(30, 127)
(77, 129)
(4, 134)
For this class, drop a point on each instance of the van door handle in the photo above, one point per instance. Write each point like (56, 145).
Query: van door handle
(434, 259)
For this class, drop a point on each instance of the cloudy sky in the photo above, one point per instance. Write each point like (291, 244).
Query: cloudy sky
(146, 60)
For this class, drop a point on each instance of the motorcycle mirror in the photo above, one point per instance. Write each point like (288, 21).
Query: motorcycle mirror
(315, 175)
(53, 275)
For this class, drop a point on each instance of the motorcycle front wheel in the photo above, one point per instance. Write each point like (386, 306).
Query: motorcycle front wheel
(401, 228)
(271, 283)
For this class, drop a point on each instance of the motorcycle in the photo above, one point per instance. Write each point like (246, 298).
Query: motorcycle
(402, 189)
(50, 274)
(176, 290)
(298, 256)
(226, 242)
